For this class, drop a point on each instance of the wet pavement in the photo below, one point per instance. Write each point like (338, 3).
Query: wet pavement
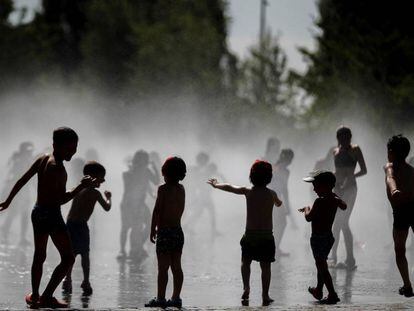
(212, 277)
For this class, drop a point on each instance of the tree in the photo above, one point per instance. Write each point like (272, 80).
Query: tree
(364, 61)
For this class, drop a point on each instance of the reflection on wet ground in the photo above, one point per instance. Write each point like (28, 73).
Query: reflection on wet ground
(212, 278)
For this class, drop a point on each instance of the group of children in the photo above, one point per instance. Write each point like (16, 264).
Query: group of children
(257, 243)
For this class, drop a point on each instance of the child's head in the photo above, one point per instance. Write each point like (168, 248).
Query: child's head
(174, 169)
(272, 148)
(95, 170)
(398, 148)
(202, 158)
(261, 173)
(343, 135)
(286, 156)
(323, 182)
(65, 142)
(140, 159)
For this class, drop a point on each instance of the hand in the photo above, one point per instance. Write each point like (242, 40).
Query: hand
(305, 209)
(108, 195)
(213, 182)
(88, 181)
(153, 236)
(4, 205)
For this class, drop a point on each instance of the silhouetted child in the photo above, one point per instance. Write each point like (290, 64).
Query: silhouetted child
(322, 216)
(77, 222)
(46, 215)
(166, 231)
(258, 242)
(400, 184)
(135, 214)
(18, 163)
(280, 184)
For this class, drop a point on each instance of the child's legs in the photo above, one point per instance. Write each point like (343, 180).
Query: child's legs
(63, 244)
(85, 266)
(245, 271)
(266, 275)
(69, 274)
(178, 275)
(400, 238)
(164, 262)
(349, 197)
(280, 226)
(39, 257)
(123, 237)
(322, 267)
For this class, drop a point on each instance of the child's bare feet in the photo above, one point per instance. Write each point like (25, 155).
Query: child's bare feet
(246, 294)
(267, 300)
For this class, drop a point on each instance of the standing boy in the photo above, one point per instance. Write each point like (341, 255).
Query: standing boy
(258, 242)
(166, 231)
(77, 222)
(46, 215)
(322, 216)
(400, 184)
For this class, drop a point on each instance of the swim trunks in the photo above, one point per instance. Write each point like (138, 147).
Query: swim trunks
(169, 240)
(258, 245)
(79, 235)
(47, 220)
(403, 216)
(321, 245)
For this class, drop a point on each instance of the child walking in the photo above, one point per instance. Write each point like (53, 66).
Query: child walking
(46, 215)
(77, 222)
(166, 232)
(258, 242)
(322, 216)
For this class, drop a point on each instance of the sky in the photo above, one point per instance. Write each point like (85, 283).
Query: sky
(292, 20)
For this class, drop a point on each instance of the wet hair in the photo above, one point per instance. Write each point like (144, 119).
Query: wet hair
(286, 155)
(343, 132)
(325, 178)
(261, 173)
(63, 135)
(174, 168)
(400, 145)
(94, 169)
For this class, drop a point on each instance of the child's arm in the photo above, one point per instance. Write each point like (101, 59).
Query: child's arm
(397, 196)
(341, 203)
(105, 203)
(87, 181)
(155, 215)
(361, 162)
(309, 212)
(21, 182)
(276, 200)
(227, 187)
(154, 176)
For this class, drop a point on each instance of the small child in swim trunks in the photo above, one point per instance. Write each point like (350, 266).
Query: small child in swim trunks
(322, 216)
(77, 222)
(166, 231)
(258, 242)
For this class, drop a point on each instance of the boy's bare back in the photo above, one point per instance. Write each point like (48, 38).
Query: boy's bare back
(260, 201)
(83, 204)
(400, 179)
(52, 179)
(170, 202)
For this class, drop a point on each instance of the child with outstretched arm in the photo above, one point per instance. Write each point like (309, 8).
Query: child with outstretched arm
(258, 242)
(46, 215)
(167, 233)
(77, 222)
(322, 216)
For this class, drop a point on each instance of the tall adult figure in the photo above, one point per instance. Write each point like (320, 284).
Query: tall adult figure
(346, 156)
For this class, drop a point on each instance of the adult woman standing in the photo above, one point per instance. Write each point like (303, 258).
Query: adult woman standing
(346, 156)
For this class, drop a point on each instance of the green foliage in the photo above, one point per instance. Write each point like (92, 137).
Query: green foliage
(364, 62)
